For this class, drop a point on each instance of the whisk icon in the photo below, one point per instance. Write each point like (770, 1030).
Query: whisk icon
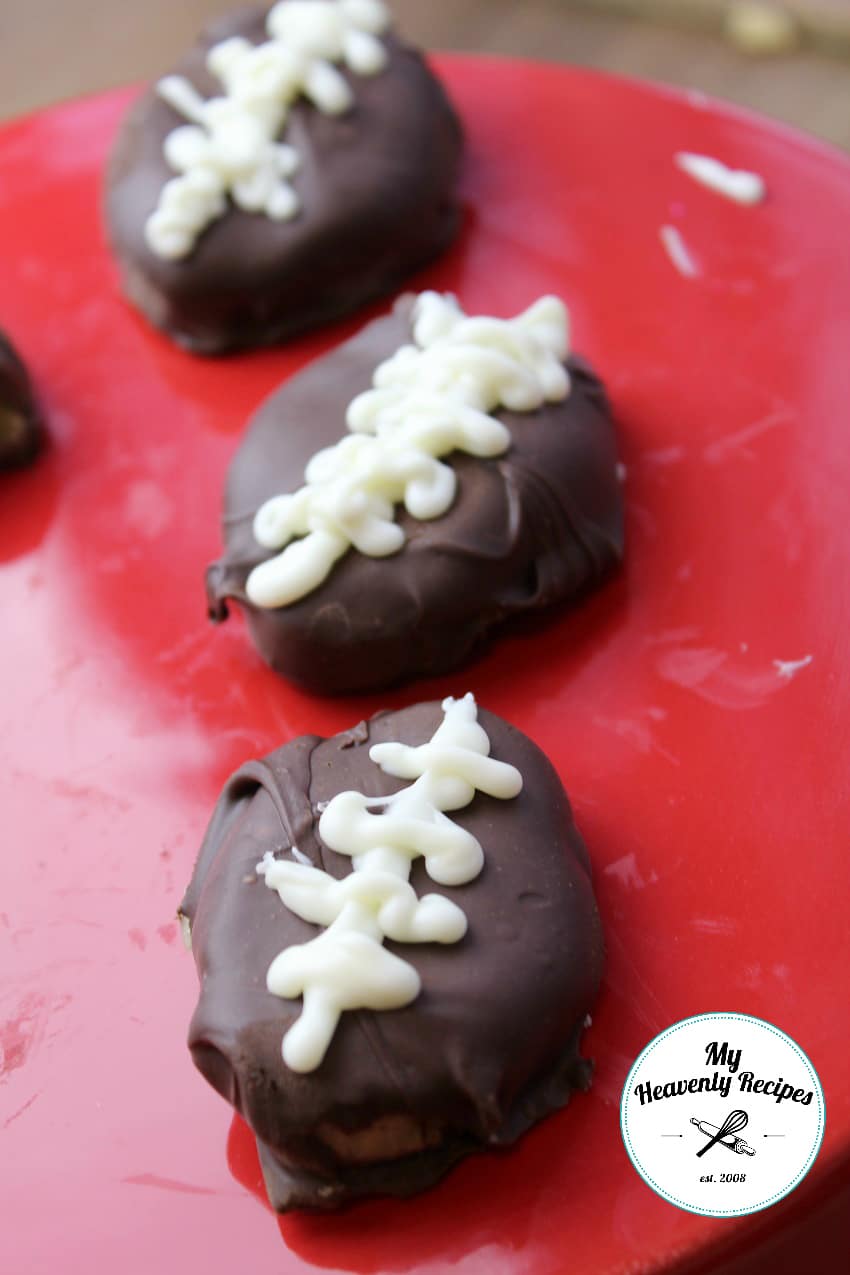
(727, 1134)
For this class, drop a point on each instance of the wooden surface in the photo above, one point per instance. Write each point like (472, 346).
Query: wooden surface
(60, 48)
(822, 24)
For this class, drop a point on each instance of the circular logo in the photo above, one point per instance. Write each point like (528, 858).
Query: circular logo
(722, 1114)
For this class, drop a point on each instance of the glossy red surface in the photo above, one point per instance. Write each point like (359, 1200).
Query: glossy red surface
(709, 779)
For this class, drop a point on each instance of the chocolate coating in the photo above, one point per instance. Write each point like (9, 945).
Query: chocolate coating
(21, 434)
(537, 526)
(491, 1044)
(376, 186)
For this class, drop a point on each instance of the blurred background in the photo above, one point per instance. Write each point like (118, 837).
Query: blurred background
(787, 58)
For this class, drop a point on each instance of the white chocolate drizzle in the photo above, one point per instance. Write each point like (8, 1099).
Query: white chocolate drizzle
(736, 184)
(230, 146)
(432, 397)
(678, 252)
(346, 967)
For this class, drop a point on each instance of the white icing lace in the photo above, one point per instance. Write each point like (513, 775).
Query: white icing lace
(431, 398)
(347, 967)
(230, 146)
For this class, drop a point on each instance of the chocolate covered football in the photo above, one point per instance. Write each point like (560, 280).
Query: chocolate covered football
(295, 165)
(397, 945)
(397, 501)
(21, 433)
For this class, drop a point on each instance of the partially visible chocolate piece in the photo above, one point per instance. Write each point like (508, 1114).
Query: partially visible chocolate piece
(20, 420)
(537, 526)
(376, 192)
(490, 1045)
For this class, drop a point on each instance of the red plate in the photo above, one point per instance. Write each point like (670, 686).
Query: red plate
(698, 707)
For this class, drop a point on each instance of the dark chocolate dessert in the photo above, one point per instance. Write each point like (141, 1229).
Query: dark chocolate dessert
(20, 420)
(297, 164)
(533, 514)
(444, 1002)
